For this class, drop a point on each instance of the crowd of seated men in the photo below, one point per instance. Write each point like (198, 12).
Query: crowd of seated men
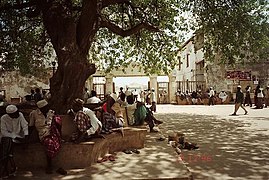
(113, 113)
(200, 97)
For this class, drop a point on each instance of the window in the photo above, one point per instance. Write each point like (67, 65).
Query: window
(188, 58)
(179, 63)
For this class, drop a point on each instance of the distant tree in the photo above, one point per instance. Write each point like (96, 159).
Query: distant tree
(108, 34)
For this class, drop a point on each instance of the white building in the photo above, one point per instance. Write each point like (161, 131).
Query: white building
(195, 73)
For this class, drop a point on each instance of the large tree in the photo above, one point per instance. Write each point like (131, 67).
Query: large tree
(109, 33)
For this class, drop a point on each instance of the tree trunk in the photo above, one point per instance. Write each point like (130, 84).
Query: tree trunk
(73, 69)
(68, 82)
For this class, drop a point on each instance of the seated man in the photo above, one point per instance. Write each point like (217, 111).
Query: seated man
(223, 96)
(49, 130)
(138, 113)
(86, 121)
(108, 114)
(194, 97)
(13, 128)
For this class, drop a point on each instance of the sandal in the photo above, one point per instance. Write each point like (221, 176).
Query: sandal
(111, 158)
(127, 152)
(135, 151)
(100, 160)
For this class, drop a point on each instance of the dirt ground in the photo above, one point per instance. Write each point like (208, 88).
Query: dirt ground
(231, 147)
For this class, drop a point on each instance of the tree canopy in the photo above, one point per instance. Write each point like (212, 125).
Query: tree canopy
(86, 34)
(236, 28)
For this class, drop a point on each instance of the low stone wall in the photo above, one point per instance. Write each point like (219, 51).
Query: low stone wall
(80, 155)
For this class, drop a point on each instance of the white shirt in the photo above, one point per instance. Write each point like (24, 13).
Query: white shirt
(260, 95)
(96, 124)
(41, 122)
(135, 93)
(93, 100)
(153, 97)
(128, 93)
(223, 96)
(14, 127)
(211, 93)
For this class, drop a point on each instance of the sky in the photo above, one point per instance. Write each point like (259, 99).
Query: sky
(125, 81)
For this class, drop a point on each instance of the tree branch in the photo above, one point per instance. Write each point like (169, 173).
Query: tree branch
(134, 30)
(17, 6)
(87, 24)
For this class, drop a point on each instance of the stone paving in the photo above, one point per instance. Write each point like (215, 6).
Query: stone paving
(231, 147)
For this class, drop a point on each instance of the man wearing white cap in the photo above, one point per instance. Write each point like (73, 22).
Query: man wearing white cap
(239, 99)
(49, 130)
(13, 128)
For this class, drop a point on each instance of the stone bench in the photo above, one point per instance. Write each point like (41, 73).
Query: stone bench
(80, 155)
(77, 155)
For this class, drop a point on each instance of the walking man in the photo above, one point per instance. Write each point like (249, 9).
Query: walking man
(239, 101)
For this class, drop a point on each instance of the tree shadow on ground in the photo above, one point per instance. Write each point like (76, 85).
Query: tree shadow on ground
(229, 149)
(155, 161)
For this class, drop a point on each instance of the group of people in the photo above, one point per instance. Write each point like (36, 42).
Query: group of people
(261, 98)
(15, 129)
(198, 97)
(37, 95)
(114, 113)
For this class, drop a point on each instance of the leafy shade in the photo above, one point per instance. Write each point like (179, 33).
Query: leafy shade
(23, 42)
(156, 52)
(27, 46)
(236, 29)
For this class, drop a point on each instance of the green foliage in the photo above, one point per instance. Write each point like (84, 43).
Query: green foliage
(23, 42)
(236, 29)
(155, 51)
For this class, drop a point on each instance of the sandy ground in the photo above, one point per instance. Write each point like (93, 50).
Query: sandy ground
(231, 147)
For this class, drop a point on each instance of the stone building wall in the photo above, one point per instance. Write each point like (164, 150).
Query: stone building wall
(17, 86)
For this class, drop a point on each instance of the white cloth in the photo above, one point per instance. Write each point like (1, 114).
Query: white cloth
(11, 109)
(260, 95)
(41, 122)
(211, 93)
(135, 93)
(93, 100)
(153, 97)
(223, 96)
(14, 127)
(128, 93)
(95, 123)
